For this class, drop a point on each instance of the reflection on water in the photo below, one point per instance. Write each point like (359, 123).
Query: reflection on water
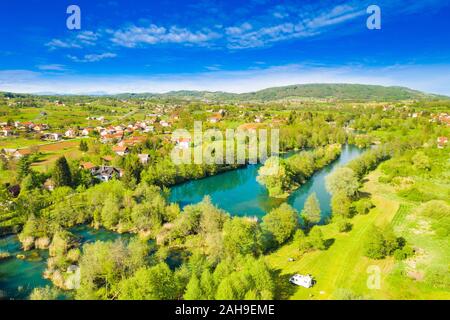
(18, 277)
(235, 191)
(239, 193)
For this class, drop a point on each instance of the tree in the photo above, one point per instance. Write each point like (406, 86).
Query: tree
(241, 236)
(311, 213)
(30, 182)
(421, 161)
(61, 173)
(23, 167)
(132, 170)
(281, 222)
(45, 293)
(114, 270)
(374, 247)
(154, 283)
(363, 206)
(301, 241)
(342, 223)
(342, 180)
(193, 289)
(315, 238)
(83, 146)
(225, 290)
(207, 284)
(340, 205)
(276, 176)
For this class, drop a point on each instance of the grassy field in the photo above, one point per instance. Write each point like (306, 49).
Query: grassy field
(342, 270)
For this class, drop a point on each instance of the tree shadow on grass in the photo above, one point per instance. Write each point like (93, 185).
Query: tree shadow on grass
(283, 288)
(328, 243)
(364, 195)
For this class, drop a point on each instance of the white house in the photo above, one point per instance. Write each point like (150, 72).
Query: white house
(86, 131)
(71, 133)
(52, 136)
(143, 158)
(105, 173)
(183, 143)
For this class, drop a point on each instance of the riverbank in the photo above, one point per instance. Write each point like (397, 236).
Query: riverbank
(235, 191)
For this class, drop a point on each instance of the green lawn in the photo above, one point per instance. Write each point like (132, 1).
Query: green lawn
(343, 267)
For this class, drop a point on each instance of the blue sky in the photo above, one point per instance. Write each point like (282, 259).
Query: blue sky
(237, 46)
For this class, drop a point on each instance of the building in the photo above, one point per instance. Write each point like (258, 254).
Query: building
(71, 133)
(86, 131)
(183, 143)
(143, 158)
(121, 150)
(7, 131)
(215, 118)
(87, 166)
(442, 142)
(104, 173)
(15, 153)
(52, 136)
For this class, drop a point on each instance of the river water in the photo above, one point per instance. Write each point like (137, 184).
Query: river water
(237, 192)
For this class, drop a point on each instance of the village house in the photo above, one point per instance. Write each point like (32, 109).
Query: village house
(444, 118)
(442, 142)
(71, 133)
(143, 158)
(164, 124)
(28, 125)
(183, 143)
(107, 159)
(52, 136)
(40, 127)
(111, 137)
(6, 131)
(87, 166)
(215, 118)
(258, 119)
(86, 131)
(15, 153)
(49, 185)
(121, 150)
(104, 173)
(132, 141)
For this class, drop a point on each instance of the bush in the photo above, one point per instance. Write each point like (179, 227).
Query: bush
(404, 253)
(363, 206)
(343, 225)
(415, 194)
(45, 293)
(383, 243)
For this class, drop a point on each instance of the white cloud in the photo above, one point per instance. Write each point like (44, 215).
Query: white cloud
(133, 36)
(92, 57)
(51, 67)
(309, 24)
(80, 40)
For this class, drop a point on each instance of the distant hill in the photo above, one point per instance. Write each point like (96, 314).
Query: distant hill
(342, 92)
(351, 92)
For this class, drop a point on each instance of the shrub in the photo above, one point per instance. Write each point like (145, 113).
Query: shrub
(343, 225)
(363, 206)
(404, 253)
